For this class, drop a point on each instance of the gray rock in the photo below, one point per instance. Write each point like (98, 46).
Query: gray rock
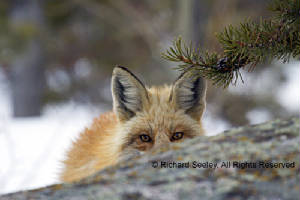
(261, 154)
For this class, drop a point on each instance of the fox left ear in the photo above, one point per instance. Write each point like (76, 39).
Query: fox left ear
(129, 94)
(188, 93)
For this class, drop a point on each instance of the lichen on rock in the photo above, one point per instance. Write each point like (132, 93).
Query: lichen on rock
(266, 159)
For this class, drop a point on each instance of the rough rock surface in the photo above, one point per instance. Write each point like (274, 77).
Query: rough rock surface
(273, 142)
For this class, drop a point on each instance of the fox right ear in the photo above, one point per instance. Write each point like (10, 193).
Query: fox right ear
(189, 93)
(129, 93)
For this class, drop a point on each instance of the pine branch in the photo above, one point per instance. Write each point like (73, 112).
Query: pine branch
(246, 45)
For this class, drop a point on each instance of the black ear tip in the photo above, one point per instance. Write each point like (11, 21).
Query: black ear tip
(188, 74)
(121, 67)
(123, 71)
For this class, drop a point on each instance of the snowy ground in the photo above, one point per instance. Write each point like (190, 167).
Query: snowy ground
(31, 149)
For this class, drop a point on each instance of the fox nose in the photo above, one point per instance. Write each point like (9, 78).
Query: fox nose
(161, 139)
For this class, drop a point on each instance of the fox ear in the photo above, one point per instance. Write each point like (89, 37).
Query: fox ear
(189, 93)
(129, 93)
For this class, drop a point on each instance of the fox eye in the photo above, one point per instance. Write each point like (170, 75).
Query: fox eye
(145, 138)
(177, 136)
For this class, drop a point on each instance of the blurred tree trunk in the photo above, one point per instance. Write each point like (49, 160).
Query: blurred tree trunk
(27, 72)
(192, 19)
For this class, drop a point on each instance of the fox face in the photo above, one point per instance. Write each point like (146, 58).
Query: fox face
(143, 119)
(152, 117)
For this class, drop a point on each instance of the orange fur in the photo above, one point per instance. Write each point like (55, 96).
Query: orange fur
(158, 112)
(93, 150)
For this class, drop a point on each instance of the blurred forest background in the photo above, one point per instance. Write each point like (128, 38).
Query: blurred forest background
(54, 50)
(58, 51)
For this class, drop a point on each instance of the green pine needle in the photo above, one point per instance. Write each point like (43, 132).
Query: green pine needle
(246, 45)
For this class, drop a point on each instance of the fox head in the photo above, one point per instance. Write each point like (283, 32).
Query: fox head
(152, 117)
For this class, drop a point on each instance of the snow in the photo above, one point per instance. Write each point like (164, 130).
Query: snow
(31, 149)
(289, 95)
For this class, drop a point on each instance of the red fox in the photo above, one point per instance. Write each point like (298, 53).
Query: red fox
(142, 119)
